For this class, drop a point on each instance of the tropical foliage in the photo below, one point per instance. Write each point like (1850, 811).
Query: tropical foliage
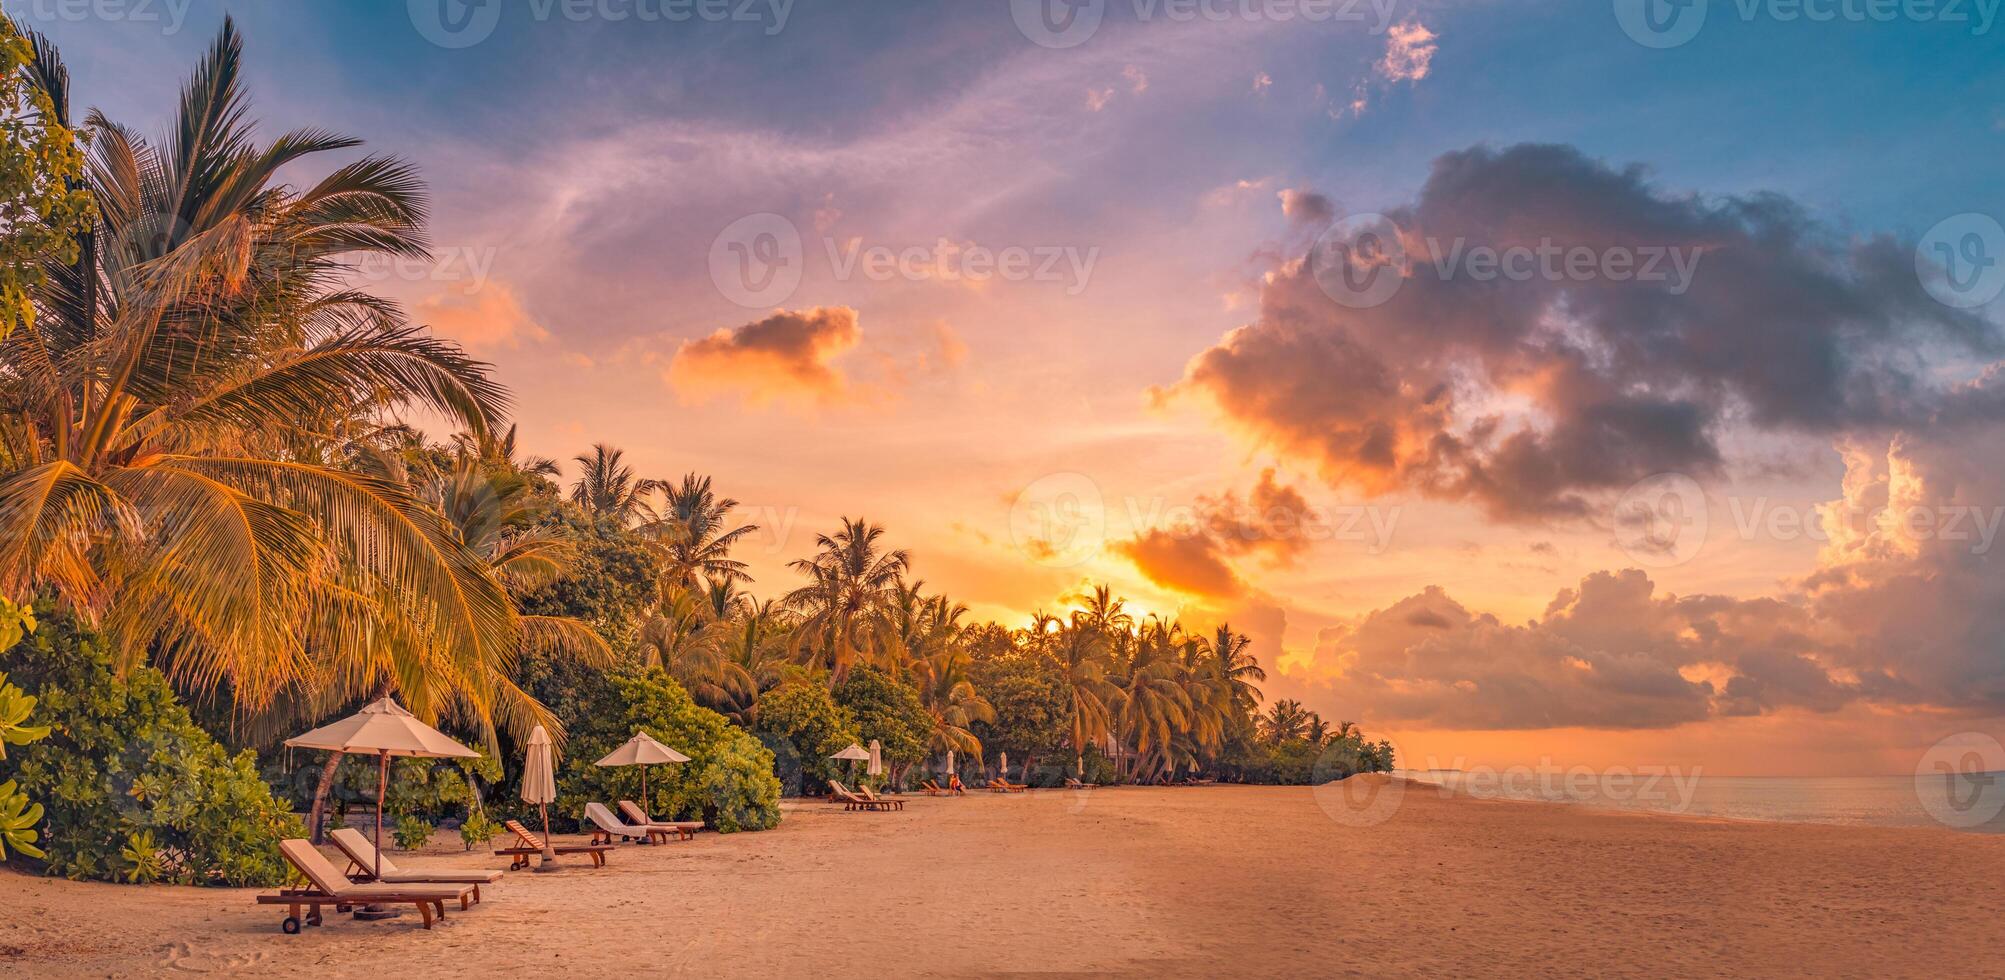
(135, 790)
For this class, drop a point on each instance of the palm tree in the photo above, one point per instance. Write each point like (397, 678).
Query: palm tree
(692, 526)
(1081, 651)
(948, 692)
(162, 413)
(754, 654)
(850, 579)
(1104, 611)
(1285, 720)
(608, 488)
(1153, 705)
(1237, 668)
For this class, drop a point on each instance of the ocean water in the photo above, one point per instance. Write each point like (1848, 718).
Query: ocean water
(1973, 802)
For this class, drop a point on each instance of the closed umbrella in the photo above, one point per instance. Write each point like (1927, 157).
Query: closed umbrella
(1003, 764)
(876, 758)
(643, 751)
(386, 729)
(539, 786)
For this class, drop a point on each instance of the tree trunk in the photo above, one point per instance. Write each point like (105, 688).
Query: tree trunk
(1029, 760)
(320, 792)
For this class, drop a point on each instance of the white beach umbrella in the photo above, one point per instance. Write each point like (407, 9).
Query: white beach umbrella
(855, 753)
(385, 729)
(950, 762)
(1003, 766)
(539, 785)
(876, 758)
(643, 751)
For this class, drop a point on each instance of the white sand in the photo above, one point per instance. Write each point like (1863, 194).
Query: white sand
(1214, 881)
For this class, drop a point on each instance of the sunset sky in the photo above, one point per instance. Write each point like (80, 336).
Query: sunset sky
(1094, 319)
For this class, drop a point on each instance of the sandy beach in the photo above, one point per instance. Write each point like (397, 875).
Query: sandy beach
(1124, 882)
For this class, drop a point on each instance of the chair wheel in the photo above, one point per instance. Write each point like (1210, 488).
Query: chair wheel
(290, 926)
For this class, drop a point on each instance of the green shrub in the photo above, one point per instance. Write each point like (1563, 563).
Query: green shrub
(412, 832)
(728, 782)
(889, 711)
(133, 788)
(477, 829)
(803, 726)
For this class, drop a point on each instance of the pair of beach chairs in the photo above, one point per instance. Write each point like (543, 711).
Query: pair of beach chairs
(935, 789)
(1005, 786)
(373, 879)
(384, 883)
(860, 798)
(636, 825)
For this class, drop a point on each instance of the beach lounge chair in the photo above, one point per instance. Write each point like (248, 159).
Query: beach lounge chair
(864, 791)
(1005, 786)
(362, 865)
(935, 789)
(532, 845)
(851, 801)
(327, 886)
(1071, 783)
(610, 826)
(634, 814)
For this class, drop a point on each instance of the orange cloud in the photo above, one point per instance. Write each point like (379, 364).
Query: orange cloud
(787, 355)
(489, 318)
(1187, 563)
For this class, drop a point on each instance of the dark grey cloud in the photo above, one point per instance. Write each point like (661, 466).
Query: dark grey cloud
(1538, 395)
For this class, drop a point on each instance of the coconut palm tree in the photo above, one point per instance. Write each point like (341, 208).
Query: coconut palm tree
(164, 413)
(947, 690)
(754, 653)
(1237, 668)
(1286, 719)
(1153, 706)
(850, 579)
(693, 529)
(1081, 651)
(607, 487)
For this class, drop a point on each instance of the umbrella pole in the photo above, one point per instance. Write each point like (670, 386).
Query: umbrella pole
(382, 790)
(549, 850)
(373, 912)
(646, 807)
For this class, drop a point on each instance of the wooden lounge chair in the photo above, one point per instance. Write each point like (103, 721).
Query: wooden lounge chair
(934, 789)
(363, 858)
(634, 814)
(327, 886)
(864, 791)
(1071, 783)
(1005, 786)
(610, 827)
(851, 801)
(532, 845)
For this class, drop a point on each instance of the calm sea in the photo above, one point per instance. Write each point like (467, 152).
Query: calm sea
(1965, 801)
